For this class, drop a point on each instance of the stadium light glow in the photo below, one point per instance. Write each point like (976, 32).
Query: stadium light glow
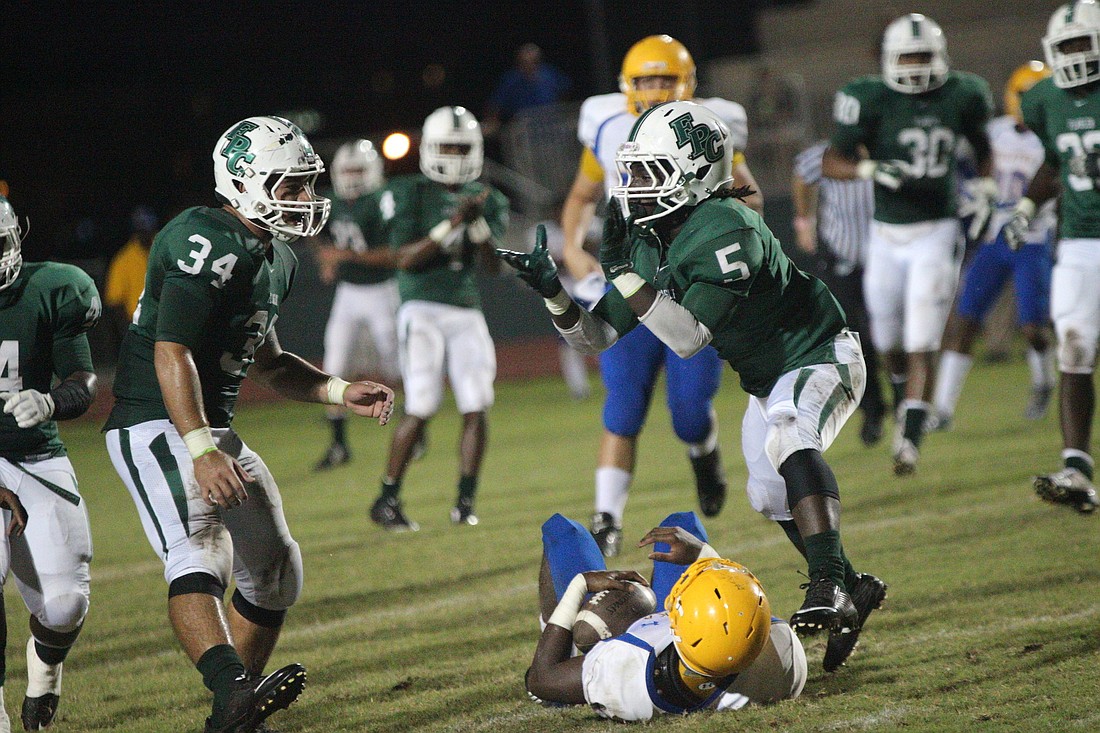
(396, 146)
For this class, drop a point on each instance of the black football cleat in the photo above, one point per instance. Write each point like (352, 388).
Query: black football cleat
(1069, 487)
(710, 482)
(870, 432)
(252, 701)
(388, 514)
(336, 455)
(867, 594)
(463, 512)
(608, 535)
(38, 712)
(826, 608)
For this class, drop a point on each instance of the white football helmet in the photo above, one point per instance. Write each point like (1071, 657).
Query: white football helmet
(914, 33)
(11, 257)
(1076, 20)
(251, 160)
(356, 170)
(677, 154)
(439, 161)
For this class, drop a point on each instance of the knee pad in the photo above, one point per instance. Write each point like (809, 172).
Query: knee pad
(196, 583)
(259, 616)
(282, 585)
(691, 419)
(806, 474)
(63, 613)
(1076, 353)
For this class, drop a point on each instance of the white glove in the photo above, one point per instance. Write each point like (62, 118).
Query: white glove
(452, 243)
(1015, 231)
(478, 231)
(30, 408)
(982, 203)
(889, 174)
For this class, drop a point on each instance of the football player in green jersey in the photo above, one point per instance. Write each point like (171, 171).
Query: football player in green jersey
(698, 267)
(443, 222)
(354, 252)
(1064, 111)
(900, 130)
(210, 507)
(46, 309)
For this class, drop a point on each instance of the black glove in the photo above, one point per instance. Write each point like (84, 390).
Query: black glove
(536, 268)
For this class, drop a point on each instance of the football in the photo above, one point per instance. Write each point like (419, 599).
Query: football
(611, 612)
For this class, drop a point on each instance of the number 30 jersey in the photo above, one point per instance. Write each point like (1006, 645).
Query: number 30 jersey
(1068, 124)
(919, 130)
(214, 287)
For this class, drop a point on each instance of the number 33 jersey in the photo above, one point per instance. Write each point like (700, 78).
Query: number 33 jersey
(921, 131)
(213, 287)
(1067, 122)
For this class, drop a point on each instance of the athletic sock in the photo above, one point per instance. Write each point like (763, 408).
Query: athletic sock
(467, 487)
(1041, 366)
(897, 384)
(220, 665)
(612, 490)
(954, 366)
(338, 423)
(850, 574)
(1079, 459)
(825, 556)
(916, 412)
(390, 487)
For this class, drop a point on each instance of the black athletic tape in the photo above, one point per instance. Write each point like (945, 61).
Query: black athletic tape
(259, 616)
(196, 583)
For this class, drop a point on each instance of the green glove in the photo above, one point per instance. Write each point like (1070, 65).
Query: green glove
(615, 247)
(536, 268)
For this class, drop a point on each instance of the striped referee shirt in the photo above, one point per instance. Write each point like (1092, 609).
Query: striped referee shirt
(844, 210)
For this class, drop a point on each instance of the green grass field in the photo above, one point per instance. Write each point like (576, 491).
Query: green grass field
(992, 622)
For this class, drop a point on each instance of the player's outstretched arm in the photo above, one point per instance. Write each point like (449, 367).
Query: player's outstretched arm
(295, 378)
(684, 548)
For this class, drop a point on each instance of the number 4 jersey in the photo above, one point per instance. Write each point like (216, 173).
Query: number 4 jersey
(213, 287)
(1067, 122)
(919, 130)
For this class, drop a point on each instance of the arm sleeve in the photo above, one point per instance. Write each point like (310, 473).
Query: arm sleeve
(853, 120)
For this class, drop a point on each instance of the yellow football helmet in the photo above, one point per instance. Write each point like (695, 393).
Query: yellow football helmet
(720, 617)
(656, 56)
(1022, 79)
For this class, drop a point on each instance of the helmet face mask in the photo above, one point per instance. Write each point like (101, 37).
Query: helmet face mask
(451, 147)
(656, 69)
(11, 238)
(356, 170)
(719, 617)
(1072, 44)
(677, 155)
(914, 55)
(266, 169)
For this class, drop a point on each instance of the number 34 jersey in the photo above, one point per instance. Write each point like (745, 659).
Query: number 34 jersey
(1067, 122)
(919, 130)
(213, 287)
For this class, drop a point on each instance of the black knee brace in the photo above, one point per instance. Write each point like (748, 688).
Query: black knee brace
(196, 583)
(806, 473)
(259, 616)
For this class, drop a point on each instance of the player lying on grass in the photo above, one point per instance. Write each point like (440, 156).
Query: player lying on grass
(698, 267)
(716, 647)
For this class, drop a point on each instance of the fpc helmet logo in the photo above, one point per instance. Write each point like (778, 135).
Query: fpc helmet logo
(236, 149)
(704, 140)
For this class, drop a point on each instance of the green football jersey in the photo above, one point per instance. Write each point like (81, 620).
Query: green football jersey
(766, 317)
(213, 287)
(920, 130)
(1068, 123)
(358, 225)
(44, 318)
(420, 203)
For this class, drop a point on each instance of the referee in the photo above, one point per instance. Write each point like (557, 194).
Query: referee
(837, 216)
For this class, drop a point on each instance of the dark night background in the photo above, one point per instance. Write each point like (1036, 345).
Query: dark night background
(107, 104)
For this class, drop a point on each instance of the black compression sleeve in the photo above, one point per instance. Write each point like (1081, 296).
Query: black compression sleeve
(71, 399)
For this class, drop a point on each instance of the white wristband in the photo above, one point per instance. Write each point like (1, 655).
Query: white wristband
(559, 304)
(570, 604)
(478, 231)
(1026, 207)
(440, 231)
(865, 169)
(335, 389)
(199, 442)
(628, 283)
